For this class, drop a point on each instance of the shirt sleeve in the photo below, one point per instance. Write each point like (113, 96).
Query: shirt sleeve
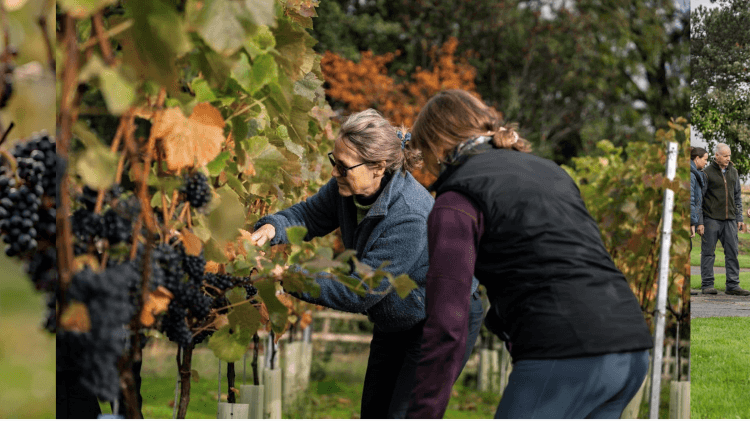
(454, 230)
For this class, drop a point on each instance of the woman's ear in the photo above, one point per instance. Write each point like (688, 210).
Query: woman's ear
(380, 169)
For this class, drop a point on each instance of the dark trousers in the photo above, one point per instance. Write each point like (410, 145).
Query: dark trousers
(392, 366)
(726, 232)
(588, 387)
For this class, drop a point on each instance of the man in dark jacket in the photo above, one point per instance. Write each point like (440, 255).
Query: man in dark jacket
(722, 219)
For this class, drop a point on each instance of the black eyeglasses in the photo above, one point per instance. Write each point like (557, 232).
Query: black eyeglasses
(342, 169)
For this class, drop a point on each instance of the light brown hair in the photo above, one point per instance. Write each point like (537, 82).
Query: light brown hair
(454, 116)
(375, 140)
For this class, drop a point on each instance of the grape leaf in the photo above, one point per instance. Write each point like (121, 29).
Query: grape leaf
(203, 92)
(296, 235)
(188, 142)
(191, 242)
(76, 318)
(404, 285)
(80, 9)
(260, 42)
(276, 310)
(225, 220)
(217, 165)
(264, 71)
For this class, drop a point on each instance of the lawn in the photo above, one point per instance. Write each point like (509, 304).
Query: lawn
(27, 354)
(720, 374)
(744, 254)
(720, 281)
(335, 389)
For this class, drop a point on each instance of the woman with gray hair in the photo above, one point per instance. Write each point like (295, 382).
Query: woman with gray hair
(382, 212)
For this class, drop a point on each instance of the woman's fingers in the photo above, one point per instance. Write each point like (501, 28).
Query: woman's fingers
(263, 234)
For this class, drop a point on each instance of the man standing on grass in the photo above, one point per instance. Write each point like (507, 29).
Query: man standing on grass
(722, 219)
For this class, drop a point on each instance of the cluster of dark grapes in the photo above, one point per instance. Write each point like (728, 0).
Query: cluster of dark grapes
(115, 226)
(107, 299)
(197, 190)
(28, 209)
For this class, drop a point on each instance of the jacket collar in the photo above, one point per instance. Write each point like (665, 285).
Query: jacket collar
(389, 193)
(448, 170)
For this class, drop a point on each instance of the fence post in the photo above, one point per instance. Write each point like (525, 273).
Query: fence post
(661, 295)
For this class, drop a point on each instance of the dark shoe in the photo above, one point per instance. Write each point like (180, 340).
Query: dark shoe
(711, 291)
(738, 291)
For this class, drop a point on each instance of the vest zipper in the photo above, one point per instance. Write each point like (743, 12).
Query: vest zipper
(726, 196)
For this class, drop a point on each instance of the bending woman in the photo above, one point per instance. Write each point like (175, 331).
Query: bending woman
(573, 326)
(382, 212)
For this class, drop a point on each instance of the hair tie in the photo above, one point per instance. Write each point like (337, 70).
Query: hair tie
(403, 138)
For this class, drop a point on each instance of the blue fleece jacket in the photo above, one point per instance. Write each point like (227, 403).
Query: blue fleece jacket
(394, 230)
(697, 189)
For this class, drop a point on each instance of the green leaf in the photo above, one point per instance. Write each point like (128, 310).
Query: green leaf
(296, 235)
(203, 92)
(83, 8)
(158, 39)
(236, 184)
(404, 285)
(242, 72)
(97, 164)
(264, 71)
(225, 220)
(214, 251)
(224, 25)
(156, 200)
(118, 92)
(202, 233)
(260, 42)
(216, 166)
(346, 255)
(234, 338)
(277, 312)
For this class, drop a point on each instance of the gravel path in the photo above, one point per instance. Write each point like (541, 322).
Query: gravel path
(720, 305)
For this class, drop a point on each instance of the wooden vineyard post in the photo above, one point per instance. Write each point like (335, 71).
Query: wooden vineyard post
(679, 400)
(272, 381)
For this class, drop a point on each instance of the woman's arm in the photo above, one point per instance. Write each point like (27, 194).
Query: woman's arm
(401, 244)
(455, 227)
(318, 214)
(695, 190)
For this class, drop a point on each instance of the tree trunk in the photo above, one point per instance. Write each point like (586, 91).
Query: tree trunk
(185, 369)
(230, 381)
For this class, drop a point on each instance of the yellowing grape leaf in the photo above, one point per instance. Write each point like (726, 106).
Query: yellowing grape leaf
(188, 142)
(305, 320)
(212, 267)
(156, 303)
(76, 318)
(192, 243)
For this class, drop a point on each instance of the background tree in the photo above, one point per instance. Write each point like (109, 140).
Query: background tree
(570, 74)
(719, 61)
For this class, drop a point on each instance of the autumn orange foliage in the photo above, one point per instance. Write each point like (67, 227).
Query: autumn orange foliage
(367, 84)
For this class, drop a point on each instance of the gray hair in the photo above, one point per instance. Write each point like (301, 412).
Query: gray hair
(720, 146)
(375, 140)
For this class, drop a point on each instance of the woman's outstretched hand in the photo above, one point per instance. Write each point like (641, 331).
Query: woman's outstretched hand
(263, 234)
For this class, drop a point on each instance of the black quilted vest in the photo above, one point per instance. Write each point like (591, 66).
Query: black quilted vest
(554, 289)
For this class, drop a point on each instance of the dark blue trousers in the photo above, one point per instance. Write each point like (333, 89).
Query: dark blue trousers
(589, 387)
(392, 366)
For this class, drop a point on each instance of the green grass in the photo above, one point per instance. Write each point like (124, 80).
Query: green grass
(743, 258)
(27, 354)
(335, 389)
(720, 375)
(720, 281)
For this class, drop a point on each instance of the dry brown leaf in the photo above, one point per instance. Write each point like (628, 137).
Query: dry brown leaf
(221, 321)
(212, 266)
(345, 401)
(76, 318)
(194, 376)
(264, 318)
(235, 390)
(188, 142)
(305, 320)
(171, 403)
(156, 303)
(191, 242)
(80, 262)
(287, 301)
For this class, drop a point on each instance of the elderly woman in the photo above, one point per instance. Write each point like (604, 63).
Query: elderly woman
(382, 212)
(574, 328)
(698, 161)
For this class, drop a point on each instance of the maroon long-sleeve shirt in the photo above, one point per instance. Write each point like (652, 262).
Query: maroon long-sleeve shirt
(455, 226)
